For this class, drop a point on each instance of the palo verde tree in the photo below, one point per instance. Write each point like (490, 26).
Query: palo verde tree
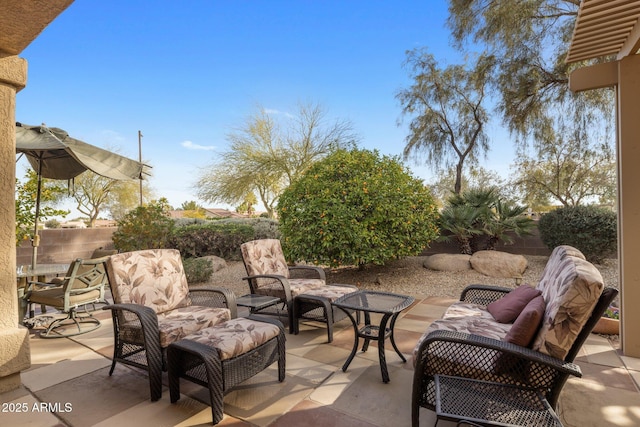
(530, 40)
(267, 153)
(192, 209)
(355, 208)
(447, 113)
(95, 194)
(567, 173)
(473, 176)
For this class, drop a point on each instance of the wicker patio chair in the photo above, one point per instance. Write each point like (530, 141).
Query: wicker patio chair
(83, 284)
(303, 291)
(154, 307)
(447, 352)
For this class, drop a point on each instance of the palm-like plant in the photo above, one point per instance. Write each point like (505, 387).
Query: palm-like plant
(481, 212)
(462, 222)
(507, 217)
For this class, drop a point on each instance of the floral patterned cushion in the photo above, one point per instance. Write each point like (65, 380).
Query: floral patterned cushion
(467, 318)
(177, 324)
(465, 309)
(235, 337)
(264, 256)
(153, 278)
(330, 292)
(570, 287)
(297, 287)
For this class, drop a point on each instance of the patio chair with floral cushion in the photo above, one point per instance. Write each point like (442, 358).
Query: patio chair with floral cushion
(482, 337)
(154, 307)
(302, 289)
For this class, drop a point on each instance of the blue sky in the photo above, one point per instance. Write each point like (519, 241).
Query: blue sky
(186, 73)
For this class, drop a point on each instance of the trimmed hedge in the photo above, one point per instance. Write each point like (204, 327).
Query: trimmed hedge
(214, 238)
(591, 229)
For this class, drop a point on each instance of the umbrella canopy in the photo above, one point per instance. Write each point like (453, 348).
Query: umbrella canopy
(54, 154)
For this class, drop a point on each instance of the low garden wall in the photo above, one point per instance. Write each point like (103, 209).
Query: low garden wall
(64, 245)
(528, 245)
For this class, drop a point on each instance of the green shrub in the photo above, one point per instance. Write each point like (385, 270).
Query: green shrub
(355, 208)
(197, 270)
(590, 229)
(212, 238)
(146, 227)
(263, 228)
(52, 223)
(181, 222)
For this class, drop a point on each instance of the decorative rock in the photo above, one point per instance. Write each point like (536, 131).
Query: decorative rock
(498, 264)
(448, 262)
(216, 262)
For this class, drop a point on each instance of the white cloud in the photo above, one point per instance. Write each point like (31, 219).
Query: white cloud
(274, 111)
(191, 146)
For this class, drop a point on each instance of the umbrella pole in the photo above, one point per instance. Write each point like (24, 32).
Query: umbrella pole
(35, 241)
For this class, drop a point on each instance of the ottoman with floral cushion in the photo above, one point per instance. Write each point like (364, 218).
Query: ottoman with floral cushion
(315, 305)
(222, 356)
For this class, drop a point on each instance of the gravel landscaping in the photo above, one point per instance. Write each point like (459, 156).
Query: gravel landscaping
(408, 276)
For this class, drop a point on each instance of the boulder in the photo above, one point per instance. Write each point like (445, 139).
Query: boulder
(216, 262)
(448, 262)
(498, 264)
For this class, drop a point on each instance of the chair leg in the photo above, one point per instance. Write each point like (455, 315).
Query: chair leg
(293, 325)
(74, 320)
(281, 357)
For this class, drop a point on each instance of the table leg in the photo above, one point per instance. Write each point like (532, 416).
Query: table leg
(356, 340)
(381, 356)
(367, 325)
(392, 337)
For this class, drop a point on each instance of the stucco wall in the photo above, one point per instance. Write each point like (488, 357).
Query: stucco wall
(528, 245)
(65, 245)
(61, 246)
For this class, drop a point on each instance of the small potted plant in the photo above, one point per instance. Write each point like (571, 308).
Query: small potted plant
(609, 323)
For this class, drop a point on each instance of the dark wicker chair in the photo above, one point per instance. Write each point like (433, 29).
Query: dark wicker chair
(442, 352)
(153, 307)
(303, 291)
(83, 284)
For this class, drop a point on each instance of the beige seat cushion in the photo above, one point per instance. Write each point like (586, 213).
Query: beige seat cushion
(236, 337)
(55, 297)
(467, 318)
(330, 292)
(297, 287)
(177, 324)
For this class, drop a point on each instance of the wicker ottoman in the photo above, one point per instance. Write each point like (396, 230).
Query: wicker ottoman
(316, 305)
(225, 355)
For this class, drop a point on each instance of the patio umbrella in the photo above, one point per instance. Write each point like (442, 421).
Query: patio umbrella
(54, 154)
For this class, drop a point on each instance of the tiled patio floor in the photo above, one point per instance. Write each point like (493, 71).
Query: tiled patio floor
(68, 384)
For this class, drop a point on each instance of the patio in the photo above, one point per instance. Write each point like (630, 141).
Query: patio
(68, 384)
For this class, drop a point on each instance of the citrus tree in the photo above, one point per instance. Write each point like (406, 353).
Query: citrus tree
(51, 193)
(354, 208)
